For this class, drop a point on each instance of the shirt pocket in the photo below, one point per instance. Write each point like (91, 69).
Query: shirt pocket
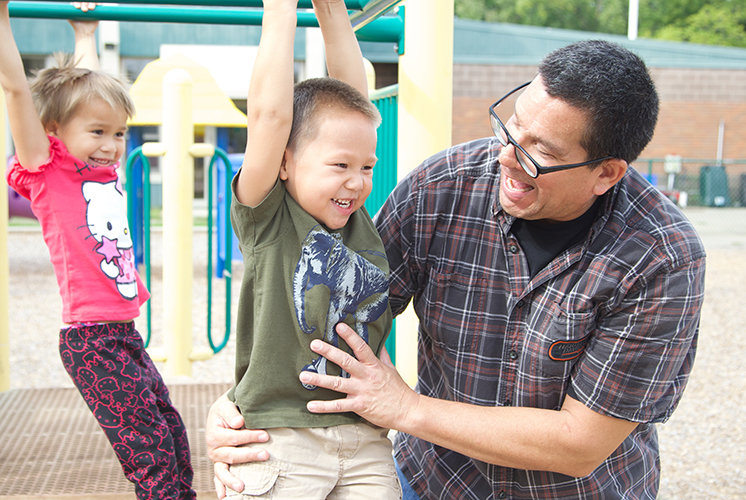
(562, 345)
(454, 311)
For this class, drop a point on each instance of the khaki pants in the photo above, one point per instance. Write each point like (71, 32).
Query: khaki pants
(347, 461)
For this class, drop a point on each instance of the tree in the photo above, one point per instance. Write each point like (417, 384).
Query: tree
(716, 22)
(712, 25)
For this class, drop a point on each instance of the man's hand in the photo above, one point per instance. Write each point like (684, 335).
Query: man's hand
(224, 434)
(375, 390)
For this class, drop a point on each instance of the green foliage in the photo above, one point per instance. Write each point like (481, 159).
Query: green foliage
(715, 22)
(712, 25)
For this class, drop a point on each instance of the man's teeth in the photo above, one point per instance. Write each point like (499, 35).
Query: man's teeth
(518, 186)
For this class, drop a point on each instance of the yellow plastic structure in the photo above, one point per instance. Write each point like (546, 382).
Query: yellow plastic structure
(425, 118)
(4, 269)
(210, 105)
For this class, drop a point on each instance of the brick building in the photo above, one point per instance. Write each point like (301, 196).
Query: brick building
(702, 88)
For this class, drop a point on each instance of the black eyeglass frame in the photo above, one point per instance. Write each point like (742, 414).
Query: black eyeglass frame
(498, 126)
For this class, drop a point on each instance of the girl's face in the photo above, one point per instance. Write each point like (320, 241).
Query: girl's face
(95, 134)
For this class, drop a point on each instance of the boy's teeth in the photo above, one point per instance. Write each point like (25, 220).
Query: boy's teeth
(341, 203)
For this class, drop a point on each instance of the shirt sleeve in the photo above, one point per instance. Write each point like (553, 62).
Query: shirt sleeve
(21, 180)
(639, 358)
(249, 222)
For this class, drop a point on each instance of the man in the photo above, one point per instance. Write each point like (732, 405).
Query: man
(558, 293)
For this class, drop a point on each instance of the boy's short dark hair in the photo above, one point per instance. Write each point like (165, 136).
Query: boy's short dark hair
(59, 91)
(316, 94)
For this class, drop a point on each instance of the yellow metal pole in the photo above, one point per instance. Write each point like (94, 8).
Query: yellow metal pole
(178, 186)
(4, 269)
(425, 119)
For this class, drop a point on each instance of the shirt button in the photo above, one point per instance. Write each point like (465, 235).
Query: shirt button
(502, 494)
(508, 403)
(520, 303)
(513, 354)
(513, 248)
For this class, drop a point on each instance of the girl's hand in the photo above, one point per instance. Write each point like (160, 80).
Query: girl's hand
(85, 6)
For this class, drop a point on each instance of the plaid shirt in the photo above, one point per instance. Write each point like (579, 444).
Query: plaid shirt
(612, 321)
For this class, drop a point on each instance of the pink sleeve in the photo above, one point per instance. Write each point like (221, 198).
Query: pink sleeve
(21, 179)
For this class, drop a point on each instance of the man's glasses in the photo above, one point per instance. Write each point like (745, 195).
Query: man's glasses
(530, 165)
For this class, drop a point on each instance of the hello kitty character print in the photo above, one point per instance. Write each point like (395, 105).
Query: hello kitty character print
(107, 223)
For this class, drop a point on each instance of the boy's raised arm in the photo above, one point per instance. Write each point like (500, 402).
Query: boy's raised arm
(32, 145)
(270, 102)
(344, 60)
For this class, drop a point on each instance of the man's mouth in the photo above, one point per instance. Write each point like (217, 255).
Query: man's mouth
(518, 186)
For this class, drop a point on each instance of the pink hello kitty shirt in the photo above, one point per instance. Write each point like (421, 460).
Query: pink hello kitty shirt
(83, 218)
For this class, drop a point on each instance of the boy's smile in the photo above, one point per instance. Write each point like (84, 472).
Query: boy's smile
(95, 134)
(331, 175)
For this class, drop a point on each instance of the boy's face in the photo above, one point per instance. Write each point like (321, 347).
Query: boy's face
(95, 134)
(331, 175)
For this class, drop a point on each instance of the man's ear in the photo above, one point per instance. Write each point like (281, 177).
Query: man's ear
(609, 173)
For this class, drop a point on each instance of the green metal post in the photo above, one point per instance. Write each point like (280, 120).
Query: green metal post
(131, 199)
(228, 234)
(382, 29)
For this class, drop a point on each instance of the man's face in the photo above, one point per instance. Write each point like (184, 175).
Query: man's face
(550, 130)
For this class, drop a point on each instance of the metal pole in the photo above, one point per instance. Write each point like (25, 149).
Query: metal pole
(302, 4)
(634, 14)
(178, 186)
(383, 29)
(721, 141)
(372, 11)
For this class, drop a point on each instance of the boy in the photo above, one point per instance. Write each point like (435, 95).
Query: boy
(312, 259)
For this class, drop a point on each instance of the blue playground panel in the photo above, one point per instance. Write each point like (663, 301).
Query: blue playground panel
(236, 160)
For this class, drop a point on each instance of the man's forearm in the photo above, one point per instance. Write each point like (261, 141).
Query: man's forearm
(572, 441)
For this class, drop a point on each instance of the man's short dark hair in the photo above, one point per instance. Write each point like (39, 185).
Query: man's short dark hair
(614, 87)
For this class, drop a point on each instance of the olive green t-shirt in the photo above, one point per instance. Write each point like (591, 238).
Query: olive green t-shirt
(300, 280)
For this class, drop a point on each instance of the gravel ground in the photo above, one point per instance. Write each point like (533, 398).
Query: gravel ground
(703, 446)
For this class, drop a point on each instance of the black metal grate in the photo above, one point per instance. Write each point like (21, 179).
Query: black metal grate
(50, 444)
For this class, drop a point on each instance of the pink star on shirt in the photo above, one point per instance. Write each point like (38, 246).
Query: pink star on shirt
(108, 248)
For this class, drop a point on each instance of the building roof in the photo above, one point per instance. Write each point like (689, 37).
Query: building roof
(475, 42)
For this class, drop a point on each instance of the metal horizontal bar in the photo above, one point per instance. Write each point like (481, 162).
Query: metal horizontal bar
(383, 29)
(302, 4)
(372, 11)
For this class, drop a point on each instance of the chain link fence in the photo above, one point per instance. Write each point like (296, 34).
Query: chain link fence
(696, 182)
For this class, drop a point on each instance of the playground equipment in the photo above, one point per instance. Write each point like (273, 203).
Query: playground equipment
(424, 115)
(4, 269)
(209, 107)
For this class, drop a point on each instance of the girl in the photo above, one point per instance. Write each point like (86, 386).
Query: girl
(69, 128)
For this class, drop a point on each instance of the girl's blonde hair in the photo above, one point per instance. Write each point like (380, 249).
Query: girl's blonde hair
(59, 91)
